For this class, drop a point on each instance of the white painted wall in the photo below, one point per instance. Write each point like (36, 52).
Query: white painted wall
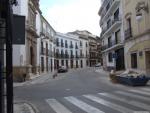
(19, 51)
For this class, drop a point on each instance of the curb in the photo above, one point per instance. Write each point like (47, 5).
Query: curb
(17, 84)
(31, 108)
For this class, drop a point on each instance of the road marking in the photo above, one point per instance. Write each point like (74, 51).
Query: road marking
(134, 103)
(133, 95)
(57, 107)
(141, 112)
(82, 105)
(109, 104)
(68, 89)
(146, 89)
(140, 92)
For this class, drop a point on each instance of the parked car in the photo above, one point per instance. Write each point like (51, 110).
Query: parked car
(62, 69)
(98, 65)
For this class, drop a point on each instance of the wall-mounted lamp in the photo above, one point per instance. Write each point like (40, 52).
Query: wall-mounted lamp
(141, 6)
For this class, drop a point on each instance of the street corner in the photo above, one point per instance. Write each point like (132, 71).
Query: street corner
(24, 107)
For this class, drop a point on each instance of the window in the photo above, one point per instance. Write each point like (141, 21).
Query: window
(86, 44)
(80, 43)
(117, 36)
(134, 60)
(116, 15)
(62, 44)
(62, 62)
(110, 57)
(76, 54)
(80, 52)
(108, 6)
(108, 23)
(57, 41)
(66, 45)
(129, 23)
(109, 42)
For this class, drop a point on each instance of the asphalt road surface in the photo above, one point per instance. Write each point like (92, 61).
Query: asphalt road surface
(83, 91)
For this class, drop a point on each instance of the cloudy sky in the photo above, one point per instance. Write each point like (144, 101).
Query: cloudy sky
(69, 15)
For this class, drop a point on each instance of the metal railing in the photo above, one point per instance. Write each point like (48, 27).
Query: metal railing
(110, 44)
(71, 46)
(117, 19)
(128, 33)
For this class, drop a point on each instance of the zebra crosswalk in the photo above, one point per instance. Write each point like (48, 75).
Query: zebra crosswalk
(131, 101)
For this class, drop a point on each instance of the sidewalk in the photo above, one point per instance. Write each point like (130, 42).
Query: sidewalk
(24, 107)
(101, 71)
(34, 79)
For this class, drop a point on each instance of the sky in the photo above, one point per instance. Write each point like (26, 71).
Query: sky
(70, 15)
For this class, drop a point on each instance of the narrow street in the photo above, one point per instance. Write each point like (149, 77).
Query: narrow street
(83, 91)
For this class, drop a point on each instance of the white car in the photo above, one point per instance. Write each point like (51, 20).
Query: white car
(98, 65)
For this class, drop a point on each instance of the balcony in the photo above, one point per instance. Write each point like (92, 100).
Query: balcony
(93, 49)
(71, 56)
(43, 51)
(66, 45)
(81, 55)
(112, 45)
(128, 34)
(62, 55)
(51, 54)
(81, 44)
(104, 3)
(115, 24)
(57, 55)
(31, 29)
(62, 44)
(113, 5)
(66, 55)
(57, 44)
(93, 57)
(71, 46)
(77, 47)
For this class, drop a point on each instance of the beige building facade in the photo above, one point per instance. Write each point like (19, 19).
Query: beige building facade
(136, 23)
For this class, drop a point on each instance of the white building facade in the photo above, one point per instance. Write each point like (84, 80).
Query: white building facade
(68, 51)
(25, 55)
(46, 47)
(112, 35)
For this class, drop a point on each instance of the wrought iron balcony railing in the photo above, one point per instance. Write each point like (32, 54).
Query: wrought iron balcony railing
(128, 33)
(110, 44)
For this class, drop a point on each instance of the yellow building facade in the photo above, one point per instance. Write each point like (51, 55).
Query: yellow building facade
(136, 23)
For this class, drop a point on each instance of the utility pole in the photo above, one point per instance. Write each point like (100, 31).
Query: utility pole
(6, 72)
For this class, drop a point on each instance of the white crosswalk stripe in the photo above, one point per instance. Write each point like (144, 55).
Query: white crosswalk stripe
(146, 89)
(133, 95)
(130, 102)
(82, 105)
(111, 101)
(57, 107)
(109, 104)
(140, 92)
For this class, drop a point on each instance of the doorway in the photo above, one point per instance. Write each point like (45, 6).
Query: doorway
(120, 65)
(147, 61)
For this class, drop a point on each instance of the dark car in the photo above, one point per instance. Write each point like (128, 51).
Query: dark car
(62, 69)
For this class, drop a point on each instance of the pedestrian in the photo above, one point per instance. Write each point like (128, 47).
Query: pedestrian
(24, 77)
(55, 73)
